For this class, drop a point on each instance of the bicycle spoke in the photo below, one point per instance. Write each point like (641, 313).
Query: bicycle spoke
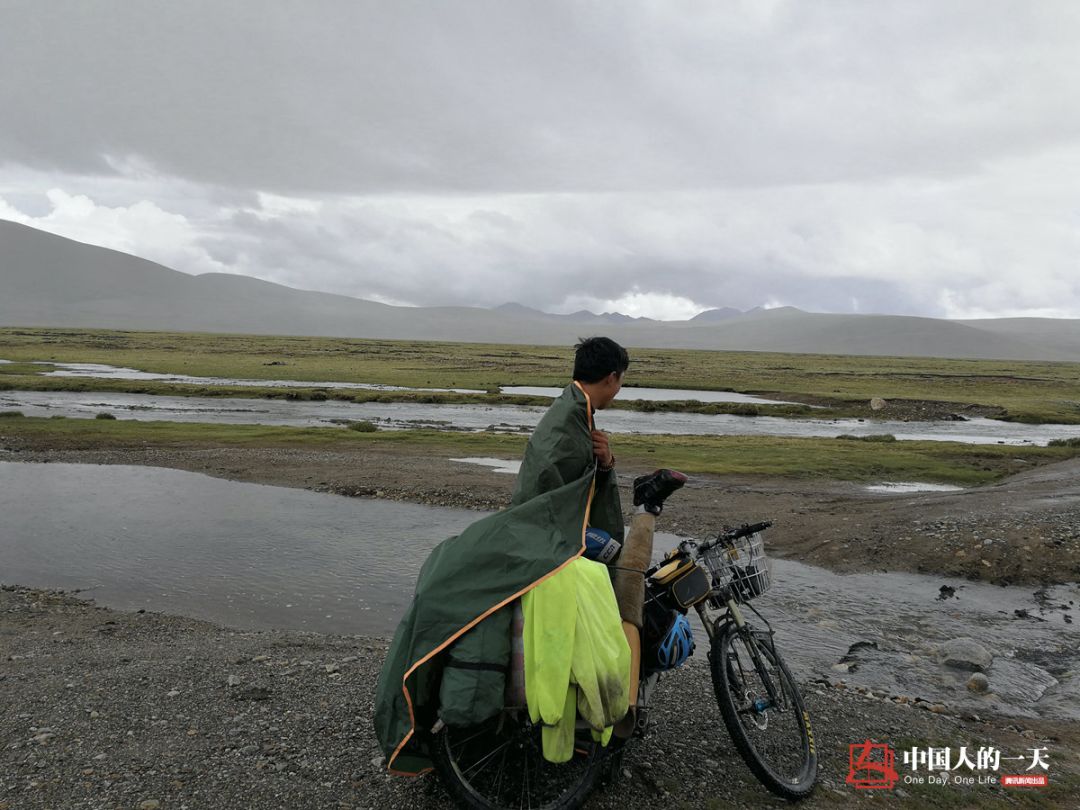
(480, 764)
(458, 744)
(525, 784)
(761, 708)
(499, 775)
(501, 765)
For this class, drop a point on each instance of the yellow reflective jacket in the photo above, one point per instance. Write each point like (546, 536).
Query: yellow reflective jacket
(577, 660)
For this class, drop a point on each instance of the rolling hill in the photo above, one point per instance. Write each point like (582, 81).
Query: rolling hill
(47, 280)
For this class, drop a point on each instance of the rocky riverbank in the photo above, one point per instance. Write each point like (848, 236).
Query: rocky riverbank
(107, 709)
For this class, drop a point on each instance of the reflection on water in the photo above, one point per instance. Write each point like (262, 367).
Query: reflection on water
(499, 465)
(258, 556)
(243, 554)
(902, 487)
(512, 419)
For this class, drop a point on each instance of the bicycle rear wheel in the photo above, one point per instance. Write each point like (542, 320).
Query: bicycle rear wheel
(499, 764)
(773, 736)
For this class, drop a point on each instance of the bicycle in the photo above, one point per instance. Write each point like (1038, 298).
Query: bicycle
(499, 764)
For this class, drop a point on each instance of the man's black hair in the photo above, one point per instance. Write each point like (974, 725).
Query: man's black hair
(596, 357)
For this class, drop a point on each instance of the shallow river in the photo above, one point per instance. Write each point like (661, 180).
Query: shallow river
(402, 415)
(106, 372)
(256, 556)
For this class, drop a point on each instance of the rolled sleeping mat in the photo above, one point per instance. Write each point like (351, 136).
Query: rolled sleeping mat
(629, 581)
(629, 585)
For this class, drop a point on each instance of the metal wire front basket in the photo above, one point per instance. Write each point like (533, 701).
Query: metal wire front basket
(743, 565)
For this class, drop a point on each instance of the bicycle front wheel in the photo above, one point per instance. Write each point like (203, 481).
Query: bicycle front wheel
(771, 730)
(500, 764)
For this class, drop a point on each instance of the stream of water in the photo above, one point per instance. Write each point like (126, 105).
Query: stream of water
(512, 419)
(254, 556)
(106, 372)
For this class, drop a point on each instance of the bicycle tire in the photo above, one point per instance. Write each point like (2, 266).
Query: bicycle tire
(559, 787)
(799, 777)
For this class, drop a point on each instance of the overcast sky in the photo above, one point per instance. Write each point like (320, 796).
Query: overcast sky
(656, 158)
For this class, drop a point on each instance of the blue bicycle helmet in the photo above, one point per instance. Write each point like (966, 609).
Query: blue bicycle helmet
(676, 645)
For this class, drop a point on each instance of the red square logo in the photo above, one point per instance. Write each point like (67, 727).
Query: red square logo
(871, 766)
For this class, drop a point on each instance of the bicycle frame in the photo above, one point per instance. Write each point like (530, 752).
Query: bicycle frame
(758, 698)
(732, 614)
(719, 609)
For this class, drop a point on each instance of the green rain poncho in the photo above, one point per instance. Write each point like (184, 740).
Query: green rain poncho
(470, 578)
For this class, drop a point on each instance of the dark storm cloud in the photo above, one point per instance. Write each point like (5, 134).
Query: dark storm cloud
(490, 95)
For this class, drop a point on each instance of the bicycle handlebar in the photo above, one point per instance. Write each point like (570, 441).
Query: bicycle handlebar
(734, 534)
(746, 529)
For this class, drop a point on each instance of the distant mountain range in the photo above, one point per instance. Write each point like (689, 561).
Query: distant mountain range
(582, 316)
(47, 280)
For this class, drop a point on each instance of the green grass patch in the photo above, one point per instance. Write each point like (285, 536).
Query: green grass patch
(937, 462)
(12, 369)
(362, 426)
(942, 462)
(1021, 391)
(1073, 442)
(11, 414)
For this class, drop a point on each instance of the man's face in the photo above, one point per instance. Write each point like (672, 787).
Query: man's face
(609, 389)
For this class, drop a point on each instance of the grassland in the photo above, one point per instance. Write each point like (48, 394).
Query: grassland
(1025, 391)
(1021, 391)
(836, 459)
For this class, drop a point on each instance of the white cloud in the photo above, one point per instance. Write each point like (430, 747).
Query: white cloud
(382, 299)
(276, 206)
(774, 303)
(965, 305)
(142, 229)
(10, 212)
(1001, 241)
(636, 304)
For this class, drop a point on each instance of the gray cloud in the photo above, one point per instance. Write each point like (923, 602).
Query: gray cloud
(489, 95)
(918, 157)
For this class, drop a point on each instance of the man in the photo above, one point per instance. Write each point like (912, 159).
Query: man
(447, 662)
(566, 444)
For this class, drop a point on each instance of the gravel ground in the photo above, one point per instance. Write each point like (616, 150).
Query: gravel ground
(107, 709)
